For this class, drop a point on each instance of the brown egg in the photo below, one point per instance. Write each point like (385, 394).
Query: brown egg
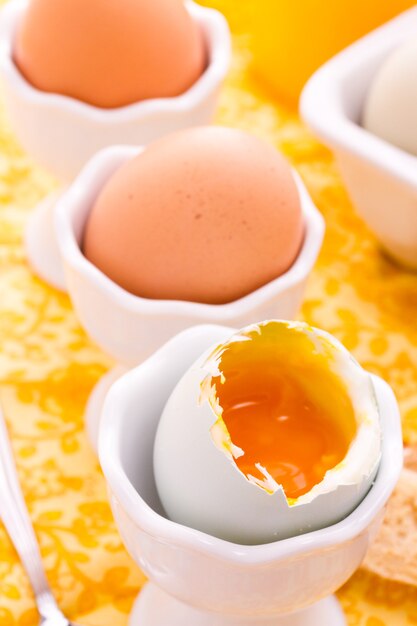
(111, 53)
(205, 215)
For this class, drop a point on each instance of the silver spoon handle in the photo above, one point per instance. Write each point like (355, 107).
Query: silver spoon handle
(15, 517)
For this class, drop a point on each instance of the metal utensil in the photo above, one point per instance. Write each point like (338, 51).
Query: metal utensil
(15, 517)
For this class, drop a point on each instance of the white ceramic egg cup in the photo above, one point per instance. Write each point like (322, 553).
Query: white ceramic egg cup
(131, 328)
(197, 579)
(381, 178)
(62, 133)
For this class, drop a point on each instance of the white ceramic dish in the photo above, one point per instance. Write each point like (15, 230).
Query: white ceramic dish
(381, 179)
(62, 133)
(130, 328)
(198, 579)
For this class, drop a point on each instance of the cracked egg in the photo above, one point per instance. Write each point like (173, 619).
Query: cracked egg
(272, 434)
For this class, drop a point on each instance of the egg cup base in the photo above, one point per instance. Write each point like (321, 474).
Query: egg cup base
(41, 244)
(156, 608)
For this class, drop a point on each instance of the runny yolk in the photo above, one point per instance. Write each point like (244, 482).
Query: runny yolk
(269, 416)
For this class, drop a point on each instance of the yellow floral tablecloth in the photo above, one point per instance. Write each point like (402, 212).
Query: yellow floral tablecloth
(48, 367)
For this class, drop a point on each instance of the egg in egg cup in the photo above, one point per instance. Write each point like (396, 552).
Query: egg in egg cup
(131, 328)
(62, 133)
(196, 578)
(381, 178)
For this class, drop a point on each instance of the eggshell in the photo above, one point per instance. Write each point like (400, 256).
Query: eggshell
(200, 486)
(112, 53)
(207, 215)
(391, 103)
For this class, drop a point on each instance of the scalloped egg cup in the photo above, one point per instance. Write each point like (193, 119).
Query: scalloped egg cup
(196, 578)
(63, 133)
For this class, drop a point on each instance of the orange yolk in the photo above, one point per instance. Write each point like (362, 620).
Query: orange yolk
(276, 425)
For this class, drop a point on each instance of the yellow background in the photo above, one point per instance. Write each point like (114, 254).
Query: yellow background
(48, 368)
(290, 39)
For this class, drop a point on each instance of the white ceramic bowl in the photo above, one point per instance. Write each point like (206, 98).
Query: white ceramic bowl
(130, 328)
(254, 584)
(381, 179)
(62, 133)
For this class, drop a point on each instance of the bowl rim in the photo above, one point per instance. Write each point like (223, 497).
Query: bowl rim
(323, 100)
(73, 257)
(219, 43)
(163, 529)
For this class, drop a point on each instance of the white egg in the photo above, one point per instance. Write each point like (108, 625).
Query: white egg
(198, 480)
(391, 103)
